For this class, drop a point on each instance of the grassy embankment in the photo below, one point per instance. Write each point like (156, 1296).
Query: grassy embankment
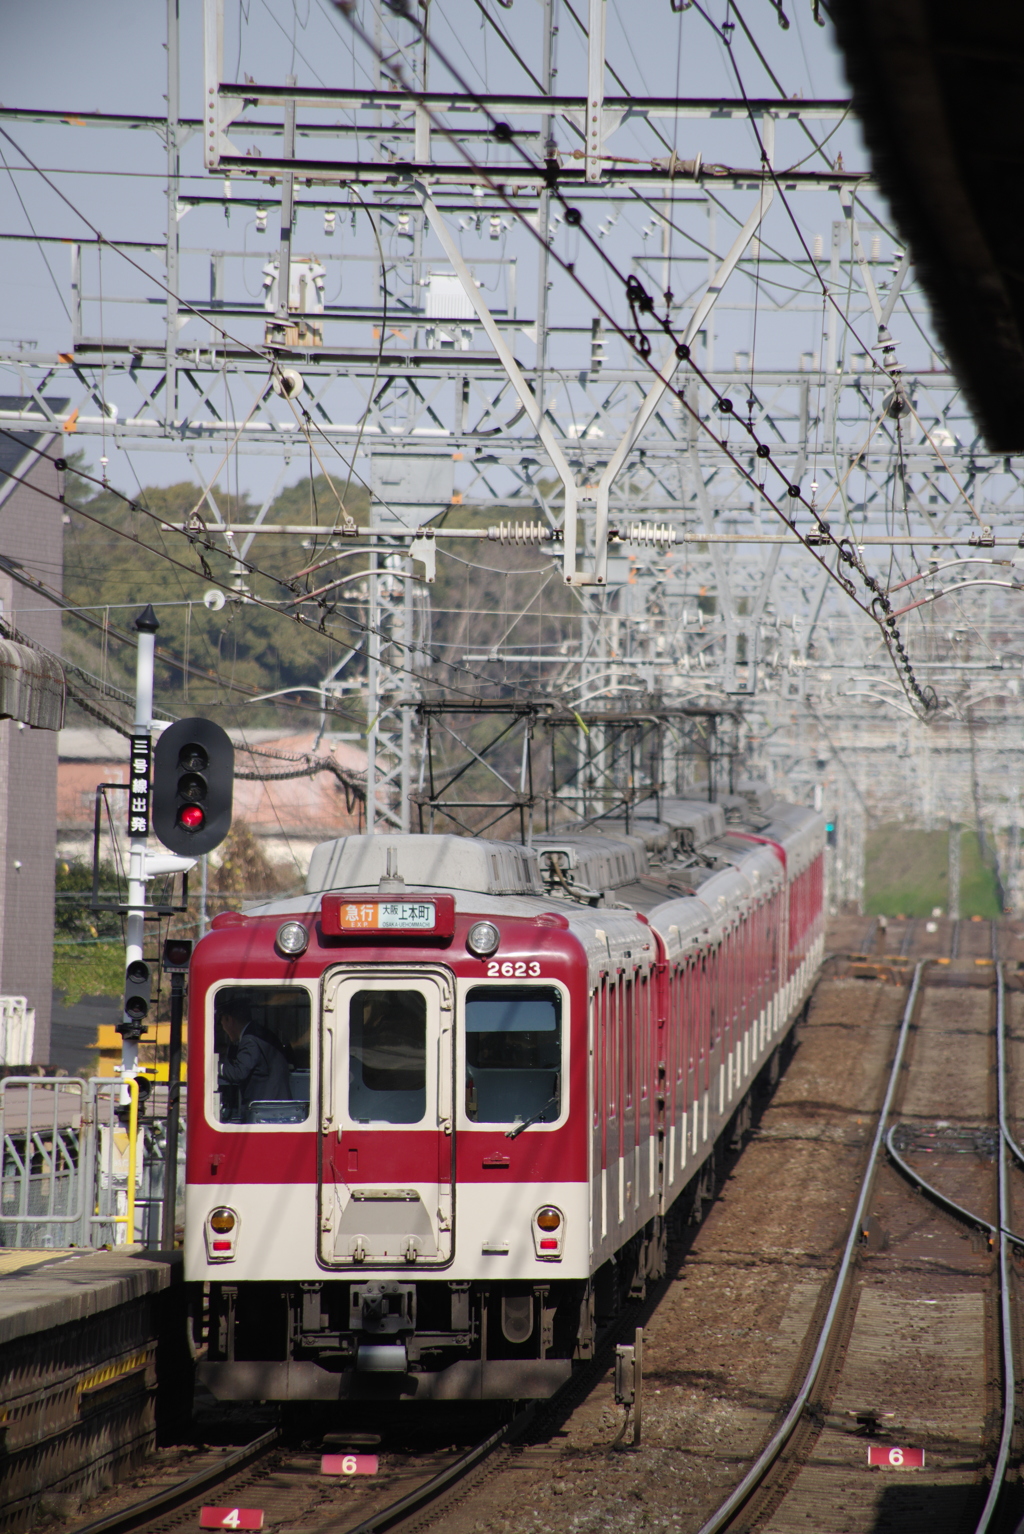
(907, 874)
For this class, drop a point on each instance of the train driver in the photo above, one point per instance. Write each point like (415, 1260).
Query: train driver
(255, 1063)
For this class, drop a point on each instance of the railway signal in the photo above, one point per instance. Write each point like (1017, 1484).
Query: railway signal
(138, 984)
(193, 783)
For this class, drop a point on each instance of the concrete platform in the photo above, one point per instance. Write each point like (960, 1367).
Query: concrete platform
(86, 1339)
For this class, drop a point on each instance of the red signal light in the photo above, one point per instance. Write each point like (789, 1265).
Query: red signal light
(191, 817)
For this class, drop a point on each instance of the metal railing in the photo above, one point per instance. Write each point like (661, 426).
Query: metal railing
(72, 1172)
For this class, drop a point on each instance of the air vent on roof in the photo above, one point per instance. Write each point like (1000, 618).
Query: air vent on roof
(757, 793)
(694, 821)
(585, 865)
(425, 862)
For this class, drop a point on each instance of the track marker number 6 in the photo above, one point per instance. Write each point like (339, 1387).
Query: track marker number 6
(348, 1464)
(895, 1458)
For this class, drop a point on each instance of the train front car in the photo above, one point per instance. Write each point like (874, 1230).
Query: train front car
(387, 1181)
(443, 1104)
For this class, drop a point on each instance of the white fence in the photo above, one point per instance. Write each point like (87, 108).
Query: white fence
(17, 1030)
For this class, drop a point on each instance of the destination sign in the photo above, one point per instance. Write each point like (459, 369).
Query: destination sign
(378, 915)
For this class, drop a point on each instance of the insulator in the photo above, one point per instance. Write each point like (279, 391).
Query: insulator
(520, 532)
(651, 534)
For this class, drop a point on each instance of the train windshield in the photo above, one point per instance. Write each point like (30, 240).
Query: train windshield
(387, 1057)
(261, 1042)
(513, 1055)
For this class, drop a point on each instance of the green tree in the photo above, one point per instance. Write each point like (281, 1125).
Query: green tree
(73, 916)
(124, 557)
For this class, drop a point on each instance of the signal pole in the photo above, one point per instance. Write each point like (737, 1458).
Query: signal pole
(137, 978)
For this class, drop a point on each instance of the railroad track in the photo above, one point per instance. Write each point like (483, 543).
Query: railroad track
(286, 1483)
(760, 1500)
(417, 1489)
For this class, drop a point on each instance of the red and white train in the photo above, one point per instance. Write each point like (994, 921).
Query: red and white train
(442, 1104)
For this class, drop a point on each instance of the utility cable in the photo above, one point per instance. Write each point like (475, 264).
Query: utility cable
(249, 567)
(641, 306)
(641, 347)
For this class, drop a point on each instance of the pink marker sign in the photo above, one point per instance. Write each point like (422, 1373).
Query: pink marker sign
(231, 1518)
(895, 1459)
(348, 1464)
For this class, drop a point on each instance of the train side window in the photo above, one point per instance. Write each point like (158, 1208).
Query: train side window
(513, 1055)
(387, 1057)
(261, 1051)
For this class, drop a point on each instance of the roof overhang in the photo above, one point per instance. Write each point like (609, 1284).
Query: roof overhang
(32, 686)
(938, 88)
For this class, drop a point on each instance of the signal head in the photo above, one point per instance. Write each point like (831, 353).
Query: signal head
(137, 986)
(191, 818)
(192, 757)
(177, 954)
(192, 787)
(193, 781)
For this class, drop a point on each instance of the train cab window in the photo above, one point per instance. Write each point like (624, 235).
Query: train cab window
(387, 1057)
(513, 1055)
(261, 1046)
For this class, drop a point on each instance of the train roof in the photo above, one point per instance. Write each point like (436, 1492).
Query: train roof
(425, 862)
(697, 865)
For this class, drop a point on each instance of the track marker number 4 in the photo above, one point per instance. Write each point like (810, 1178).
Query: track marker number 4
(231, 1518)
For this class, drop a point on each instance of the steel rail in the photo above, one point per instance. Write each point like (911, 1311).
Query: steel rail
(755, 1475)
(413, 1501)
(944, 1202)
(1005, 1236)
(182, 1491)
(948, 1205)
(1001, 1232)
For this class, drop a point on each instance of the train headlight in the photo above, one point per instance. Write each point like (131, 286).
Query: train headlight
(483, 939)
(549, 1234)
(292, 939)
(222, 1226)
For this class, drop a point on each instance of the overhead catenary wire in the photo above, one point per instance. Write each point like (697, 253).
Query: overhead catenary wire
(641, 304)
(251, 568)
(302, 765)
(773, 506)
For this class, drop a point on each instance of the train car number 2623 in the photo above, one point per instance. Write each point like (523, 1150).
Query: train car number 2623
(512, 969)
